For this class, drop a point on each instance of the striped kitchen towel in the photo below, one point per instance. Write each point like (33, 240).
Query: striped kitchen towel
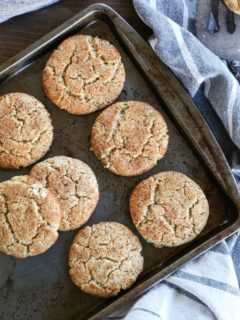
(208, 287)
(191, 61)
(12, 8)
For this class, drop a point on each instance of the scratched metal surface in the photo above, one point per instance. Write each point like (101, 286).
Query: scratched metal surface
(39, 287)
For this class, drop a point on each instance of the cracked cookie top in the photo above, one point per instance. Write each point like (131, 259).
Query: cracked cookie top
(74, 184)
(105, 259)
(29, 217)
(129, 137)
(26, 131)
(84, 74)
(169, 209)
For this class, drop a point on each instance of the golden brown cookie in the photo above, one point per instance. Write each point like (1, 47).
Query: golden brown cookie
(169, 209)
(26, 131)
(105, 259)
(84, 74)
(29, 217)
(74, 184)
(129, 137)
(233, 5)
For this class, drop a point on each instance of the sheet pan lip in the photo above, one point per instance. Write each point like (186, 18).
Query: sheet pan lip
(230, 182)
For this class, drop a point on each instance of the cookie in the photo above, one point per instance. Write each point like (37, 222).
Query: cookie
(129, 137)
(74, 184)
(29, 217)
(84, 74)
(105, 259)
(169, 209)
(233, 5)
(26, 131)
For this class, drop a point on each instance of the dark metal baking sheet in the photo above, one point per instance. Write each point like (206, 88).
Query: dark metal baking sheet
(39, 287)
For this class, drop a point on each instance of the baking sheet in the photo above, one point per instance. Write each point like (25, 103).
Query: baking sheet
(39, 287)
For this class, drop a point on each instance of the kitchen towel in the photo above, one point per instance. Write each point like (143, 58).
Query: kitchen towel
(191, 61)
(208, 287)
(11, 8)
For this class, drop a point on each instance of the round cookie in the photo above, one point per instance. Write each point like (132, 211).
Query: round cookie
(105, 259)
(169, 209)
(129, 137)
(84, 74)
(74, 184)
(233, 5)
(26, 131)
(29, 217)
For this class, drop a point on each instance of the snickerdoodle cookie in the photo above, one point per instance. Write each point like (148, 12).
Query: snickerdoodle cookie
(105, 258)
(129, 137)
(29, 217)
(26, 131)
(74, 184)
(233, 5)
(169, 209)
(84, 74)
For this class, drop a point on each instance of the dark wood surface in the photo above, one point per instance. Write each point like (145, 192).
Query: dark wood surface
(19, 32)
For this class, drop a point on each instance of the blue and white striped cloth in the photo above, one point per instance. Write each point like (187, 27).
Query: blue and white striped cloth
(12, 8)
(191, 61)
(208, 287)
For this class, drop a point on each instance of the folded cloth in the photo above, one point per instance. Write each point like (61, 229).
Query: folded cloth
(12, 8)
(207, 287)
(191, 61)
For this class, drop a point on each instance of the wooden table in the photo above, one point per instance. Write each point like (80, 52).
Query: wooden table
(19, 32)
